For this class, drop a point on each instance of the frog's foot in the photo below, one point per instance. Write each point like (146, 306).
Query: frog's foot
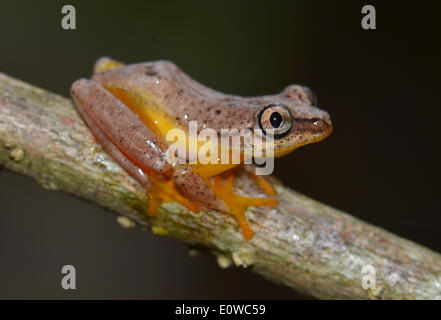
(260, 180)
(164, 190)
(105, 63)
(222, 186)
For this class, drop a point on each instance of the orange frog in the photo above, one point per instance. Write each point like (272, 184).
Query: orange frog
(131, 110)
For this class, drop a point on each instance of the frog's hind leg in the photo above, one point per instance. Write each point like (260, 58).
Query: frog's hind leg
(109, 147)
(128, 141)
(120, 125)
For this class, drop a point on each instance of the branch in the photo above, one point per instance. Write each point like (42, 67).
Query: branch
(303, 244)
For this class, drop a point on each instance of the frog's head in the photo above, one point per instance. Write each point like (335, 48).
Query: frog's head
(294, 119)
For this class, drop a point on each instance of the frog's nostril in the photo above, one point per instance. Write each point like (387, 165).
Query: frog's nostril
(317, 128)
(323, 123)
(319, 125)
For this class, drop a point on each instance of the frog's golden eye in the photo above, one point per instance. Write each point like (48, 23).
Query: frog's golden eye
(277, 118)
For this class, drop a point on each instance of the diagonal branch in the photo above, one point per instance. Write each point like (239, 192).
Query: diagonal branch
(303, 244)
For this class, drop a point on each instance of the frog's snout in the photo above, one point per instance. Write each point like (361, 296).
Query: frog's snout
(321, 122)
(315, 128)
(304, 131)
(322, 127)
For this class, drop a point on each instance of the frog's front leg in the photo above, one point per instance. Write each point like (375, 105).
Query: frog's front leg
(194, 186)
(216, 192)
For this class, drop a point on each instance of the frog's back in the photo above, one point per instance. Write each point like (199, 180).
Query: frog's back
(182, 97)
(165, 86)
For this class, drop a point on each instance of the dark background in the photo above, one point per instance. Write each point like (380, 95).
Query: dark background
(381, 164)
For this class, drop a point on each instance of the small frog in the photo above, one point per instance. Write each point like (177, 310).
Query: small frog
(131, 108)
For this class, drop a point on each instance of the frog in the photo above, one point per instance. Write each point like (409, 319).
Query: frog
(130, 109)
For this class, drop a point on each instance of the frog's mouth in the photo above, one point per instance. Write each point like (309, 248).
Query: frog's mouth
(304, 132)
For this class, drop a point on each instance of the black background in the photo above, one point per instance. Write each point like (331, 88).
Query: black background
(381, 164)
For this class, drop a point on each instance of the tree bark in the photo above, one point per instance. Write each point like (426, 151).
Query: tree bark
(304, 244)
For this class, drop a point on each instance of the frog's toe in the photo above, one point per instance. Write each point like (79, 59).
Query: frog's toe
(260, 180)
(222, 186)
(105, 63)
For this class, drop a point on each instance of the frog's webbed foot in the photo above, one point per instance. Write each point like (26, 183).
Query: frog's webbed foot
(222, 185)
(260, 181)
(217, 193)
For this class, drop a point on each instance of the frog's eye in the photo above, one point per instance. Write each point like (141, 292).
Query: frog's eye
(275, 117)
